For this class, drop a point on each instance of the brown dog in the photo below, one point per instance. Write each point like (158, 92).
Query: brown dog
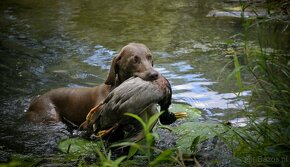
(73, 104)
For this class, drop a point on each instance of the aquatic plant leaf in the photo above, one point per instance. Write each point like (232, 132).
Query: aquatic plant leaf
(192, 113)
(194, 144)
(78, 146)
(189, 131)
(20, 160)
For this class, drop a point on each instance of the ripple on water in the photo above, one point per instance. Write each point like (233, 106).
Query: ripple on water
(198, 96)
(182, 66)
(23, 137)
(101, 57)
(41, 138)
(191, 87)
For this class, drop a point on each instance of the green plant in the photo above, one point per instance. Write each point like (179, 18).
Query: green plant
(149, 137)
(194, 144)
(266, 138)
(148, 148)
(105, 158)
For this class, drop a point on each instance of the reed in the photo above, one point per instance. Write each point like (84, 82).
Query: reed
(265, 141)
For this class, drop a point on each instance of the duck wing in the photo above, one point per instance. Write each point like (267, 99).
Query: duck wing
(132, 96)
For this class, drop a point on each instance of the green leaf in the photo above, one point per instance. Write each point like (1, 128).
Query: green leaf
(149, 139)
(118, 161)
(152, 120)
(20, 160)
(127, 144)
(188, 131)
(101, 156)
(229, 41)
(238, 72)
(138, 119)
(192, 113)
(164, 156)
(78, 146)
(194, 144)
(109, 154)
(123, 144)
(132, 151)
(165, 127)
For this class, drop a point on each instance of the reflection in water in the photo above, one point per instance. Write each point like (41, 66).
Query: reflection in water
(50, 44)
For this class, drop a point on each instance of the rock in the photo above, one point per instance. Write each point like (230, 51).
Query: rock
(237, 14)
(214, 152)
(4, 157)
(166, 139)
(208, 149)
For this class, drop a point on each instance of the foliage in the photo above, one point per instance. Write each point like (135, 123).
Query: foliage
(105, 158)
(78, 146)
(148, 148)
(281, 7)
(19, 160)
(190, 134)
(266, 139)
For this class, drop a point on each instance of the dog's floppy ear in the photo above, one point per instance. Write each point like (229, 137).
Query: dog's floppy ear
(113, 71)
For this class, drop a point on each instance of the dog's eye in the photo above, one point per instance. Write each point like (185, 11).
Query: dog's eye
(149, 57)
(135, 59)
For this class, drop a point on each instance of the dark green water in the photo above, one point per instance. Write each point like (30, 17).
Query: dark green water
(70, 43)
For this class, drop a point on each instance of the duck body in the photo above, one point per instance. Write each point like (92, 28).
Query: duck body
(134, 96)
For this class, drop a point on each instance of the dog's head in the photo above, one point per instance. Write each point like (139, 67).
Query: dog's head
(134, 59)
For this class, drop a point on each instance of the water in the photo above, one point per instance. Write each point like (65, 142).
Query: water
(51, 44)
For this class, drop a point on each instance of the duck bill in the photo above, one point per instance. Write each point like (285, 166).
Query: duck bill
(179, 115)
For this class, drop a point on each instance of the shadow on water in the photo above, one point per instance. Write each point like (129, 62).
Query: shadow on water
(50, 44)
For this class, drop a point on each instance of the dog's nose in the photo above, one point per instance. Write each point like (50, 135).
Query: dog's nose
(153, 75)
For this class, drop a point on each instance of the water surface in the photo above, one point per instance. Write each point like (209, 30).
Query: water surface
(51, 44)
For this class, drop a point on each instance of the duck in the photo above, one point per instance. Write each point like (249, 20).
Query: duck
(136, 96)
